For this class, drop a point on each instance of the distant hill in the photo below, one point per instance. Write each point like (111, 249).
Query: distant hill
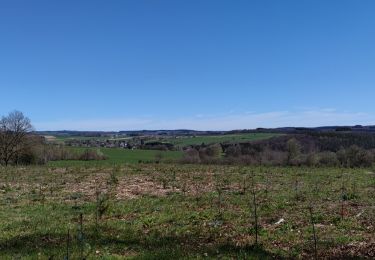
(287, 130)
(188, 132)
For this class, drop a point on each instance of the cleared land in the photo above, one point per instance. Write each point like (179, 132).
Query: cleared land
(184, 211)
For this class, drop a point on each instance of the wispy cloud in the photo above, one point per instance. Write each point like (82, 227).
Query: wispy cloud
(303, 118)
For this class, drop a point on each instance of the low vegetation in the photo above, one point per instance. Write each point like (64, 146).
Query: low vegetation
(184, 141)
(119, 156)
(148, 211)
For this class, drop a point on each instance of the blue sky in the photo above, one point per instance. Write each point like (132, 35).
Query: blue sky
(212, 64)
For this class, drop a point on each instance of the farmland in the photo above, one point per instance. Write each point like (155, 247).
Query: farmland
(182, 141)
(169, 211)
(179, 141)
(120, 156)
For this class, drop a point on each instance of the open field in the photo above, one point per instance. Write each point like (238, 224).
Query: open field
(232, 138)
(120, 156)
(162, 211)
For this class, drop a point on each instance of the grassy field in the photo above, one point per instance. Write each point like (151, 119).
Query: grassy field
(182, 211)
(234, 138)
(120, 156)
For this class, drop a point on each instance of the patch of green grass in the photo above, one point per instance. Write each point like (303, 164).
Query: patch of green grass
(120, 156)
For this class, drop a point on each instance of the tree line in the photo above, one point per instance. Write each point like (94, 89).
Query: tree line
(311, 149)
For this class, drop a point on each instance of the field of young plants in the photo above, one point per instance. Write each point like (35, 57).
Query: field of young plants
(149, 211)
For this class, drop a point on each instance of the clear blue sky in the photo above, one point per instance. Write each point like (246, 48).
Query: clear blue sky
(188, 64)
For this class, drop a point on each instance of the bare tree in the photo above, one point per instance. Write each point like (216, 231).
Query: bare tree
(14, 131)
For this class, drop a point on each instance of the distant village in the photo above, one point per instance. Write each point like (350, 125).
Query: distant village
(133, 143)
(115, 143)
